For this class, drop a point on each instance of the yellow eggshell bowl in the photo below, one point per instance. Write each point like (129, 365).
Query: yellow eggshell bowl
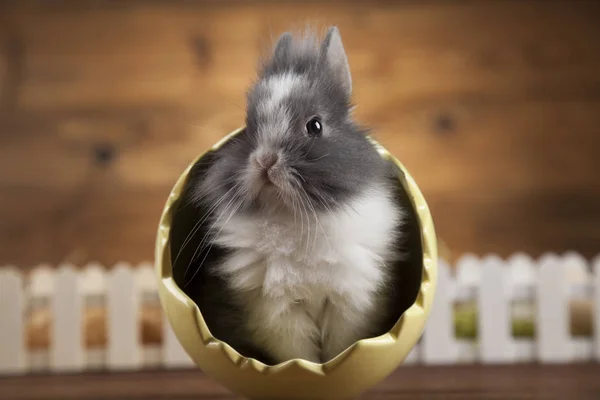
(358, 368)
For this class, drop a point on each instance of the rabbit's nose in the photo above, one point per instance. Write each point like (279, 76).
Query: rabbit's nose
(267, 160)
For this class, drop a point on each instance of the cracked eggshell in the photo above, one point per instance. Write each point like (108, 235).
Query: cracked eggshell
(357, 369)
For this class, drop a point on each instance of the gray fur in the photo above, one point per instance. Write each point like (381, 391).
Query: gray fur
(332, 169)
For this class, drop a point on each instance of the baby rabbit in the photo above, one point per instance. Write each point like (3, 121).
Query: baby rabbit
(299, 216)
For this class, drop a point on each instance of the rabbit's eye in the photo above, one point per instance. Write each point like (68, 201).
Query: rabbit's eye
(314, 127)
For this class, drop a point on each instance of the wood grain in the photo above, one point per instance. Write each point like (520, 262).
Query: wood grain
(407, 383)
(494, 107)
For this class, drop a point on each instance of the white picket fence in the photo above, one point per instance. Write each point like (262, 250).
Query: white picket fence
(543, 288)
(66, 291)
(502, 288)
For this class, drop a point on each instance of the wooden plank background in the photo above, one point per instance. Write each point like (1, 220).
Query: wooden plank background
(494, 107)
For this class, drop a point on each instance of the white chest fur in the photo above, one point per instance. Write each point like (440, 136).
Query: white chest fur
(296, 267)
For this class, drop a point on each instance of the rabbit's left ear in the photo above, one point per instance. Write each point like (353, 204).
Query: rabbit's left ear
(333, 53)
(282, 47)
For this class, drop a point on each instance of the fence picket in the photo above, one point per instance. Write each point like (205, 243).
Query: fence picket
(122, 305)
(93, 289)
(92, 282)
(523, 278)
(580, 291)
(66, 339)
(494, 322)
(466, 285)
(553, 339)
(12, 304)
(438, 342)
(148, 294)
(39, 292)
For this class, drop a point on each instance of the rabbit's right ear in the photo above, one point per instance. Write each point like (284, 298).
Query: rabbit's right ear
(334, 55)
(282, 46)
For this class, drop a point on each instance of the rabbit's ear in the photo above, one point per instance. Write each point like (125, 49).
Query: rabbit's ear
(282, 46)
(333, 53)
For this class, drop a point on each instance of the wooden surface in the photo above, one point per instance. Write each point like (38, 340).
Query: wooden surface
(407, 383)
(493, 106)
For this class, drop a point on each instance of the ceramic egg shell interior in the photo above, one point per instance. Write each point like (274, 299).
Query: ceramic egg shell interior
(358, 368)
